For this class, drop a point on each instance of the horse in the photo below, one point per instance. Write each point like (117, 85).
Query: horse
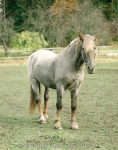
(63, 71)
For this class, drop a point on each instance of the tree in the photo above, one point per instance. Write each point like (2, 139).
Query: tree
(17, 9)
(37, 21)
(69, 17)
(62, 17)
(115, 9)
(6, 31)
(61, 22)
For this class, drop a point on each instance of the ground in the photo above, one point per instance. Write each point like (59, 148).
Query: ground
(97, 113)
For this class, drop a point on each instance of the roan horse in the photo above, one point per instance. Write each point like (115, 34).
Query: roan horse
(61, 72)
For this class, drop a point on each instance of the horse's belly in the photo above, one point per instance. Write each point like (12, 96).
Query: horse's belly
(48, 82)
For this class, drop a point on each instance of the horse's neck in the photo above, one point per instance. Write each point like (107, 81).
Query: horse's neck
(71, 56)
(75, 55)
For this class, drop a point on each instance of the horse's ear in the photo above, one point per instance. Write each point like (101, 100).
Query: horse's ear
(80, 36)
(96, 37)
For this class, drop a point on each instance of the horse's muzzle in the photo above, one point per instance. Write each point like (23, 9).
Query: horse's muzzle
(91, 69)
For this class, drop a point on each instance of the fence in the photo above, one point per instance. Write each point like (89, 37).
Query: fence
(20, 54)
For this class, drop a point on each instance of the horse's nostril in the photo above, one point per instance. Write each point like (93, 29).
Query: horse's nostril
(89, 67)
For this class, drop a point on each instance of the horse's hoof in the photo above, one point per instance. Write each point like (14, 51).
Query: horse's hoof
(42, 120)
(57, 125)
(46, 117)
(74, 126)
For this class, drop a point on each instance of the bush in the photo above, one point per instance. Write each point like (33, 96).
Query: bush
(28, 40)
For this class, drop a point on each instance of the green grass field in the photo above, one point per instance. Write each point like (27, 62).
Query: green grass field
(97, 113)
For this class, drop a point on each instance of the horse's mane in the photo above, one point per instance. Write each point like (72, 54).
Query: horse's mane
(71, 43)
(77, 39)
(86, 37)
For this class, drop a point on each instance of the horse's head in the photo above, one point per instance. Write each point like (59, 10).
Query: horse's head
(88, 51)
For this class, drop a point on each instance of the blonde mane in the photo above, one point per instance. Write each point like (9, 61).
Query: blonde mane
(88, 42)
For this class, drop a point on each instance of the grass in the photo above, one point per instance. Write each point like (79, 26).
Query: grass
(97, 113)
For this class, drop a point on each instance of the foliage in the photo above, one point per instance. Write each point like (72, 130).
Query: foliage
(115, 10)
(92, 21)
(62, 18)
(28, 40)
(68, 23)
(62, 21)
(6, 28)
(17, 8)
(6, 31)
(37, 21)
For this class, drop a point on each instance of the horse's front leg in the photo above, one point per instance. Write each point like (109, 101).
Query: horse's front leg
(74, 94)
(60, 90)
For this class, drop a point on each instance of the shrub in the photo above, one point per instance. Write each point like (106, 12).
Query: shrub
(28, 40)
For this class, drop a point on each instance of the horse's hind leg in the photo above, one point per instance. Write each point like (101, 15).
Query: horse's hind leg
(46, 97)
(36, 89)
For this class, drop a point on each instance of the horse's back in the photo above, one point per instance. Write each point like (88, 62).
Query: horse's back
(42, 53)
(40, 57)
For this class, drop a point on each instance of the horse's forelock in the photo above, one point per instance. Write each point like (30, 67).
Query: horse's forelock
(88, 42)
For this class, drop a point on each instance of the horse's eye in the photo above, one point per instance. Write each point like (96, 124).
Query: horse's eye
(94, 48)
(83, 49)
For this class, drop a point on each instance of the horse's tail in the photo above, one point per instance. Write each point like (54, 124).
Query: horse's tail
(33, 103)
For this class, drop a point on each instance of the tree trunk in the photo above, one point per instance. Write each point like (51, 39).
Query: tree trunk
(117, 30)
(5, 48)
(111, 8)
(4, 8)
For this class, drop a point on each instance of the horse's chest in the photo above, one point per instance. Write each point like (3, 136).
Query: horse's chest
(73, 81)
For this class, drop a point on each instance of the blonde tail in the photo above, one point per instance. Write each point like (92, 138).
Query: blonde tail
(33, 103)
